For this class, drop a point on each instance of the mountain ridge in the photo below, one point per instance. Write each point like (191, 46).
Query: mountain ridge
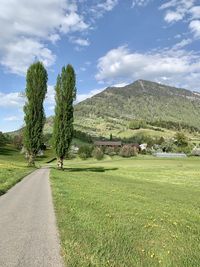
(140, 100)
(112, 110)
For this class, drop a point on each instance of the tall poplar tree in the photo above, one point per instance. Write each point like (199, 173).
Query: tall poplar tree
(63, 121)
(36, 89)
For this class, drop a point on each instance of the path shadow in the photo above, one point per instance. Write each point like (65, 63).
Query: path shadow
(92, 169)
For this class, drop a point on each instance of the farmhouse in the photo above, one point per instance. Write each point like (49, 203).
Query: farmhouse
(108, 143)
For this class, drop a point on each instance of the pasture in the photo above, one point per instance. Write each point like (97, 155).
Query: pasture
(13, 166)
(129, 212)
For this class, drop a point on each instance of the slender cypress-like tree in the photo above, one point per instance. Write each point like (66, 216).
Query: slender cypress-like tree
(63, 121)
(36, 89)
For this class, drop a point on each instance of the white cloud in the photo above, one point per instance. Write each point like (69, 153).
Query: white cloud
(54, 38)
(182, 43)
(12, 118)
(195, 28)
(98, 10)
(20, 54)
(40, 22)
(169, 4)
(140, 3)
(176, 66)
(172, 16)
(180, 5)
(187, 10)
(107, 5)
(50, 97)
(11, 100)
(26, 27)
(180, 9)
(195, 12)
(17, 99)
(80, 41)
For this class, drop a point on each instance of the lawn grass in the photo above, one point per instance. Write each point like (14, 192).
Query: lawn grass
(135, 212)
(13, 166)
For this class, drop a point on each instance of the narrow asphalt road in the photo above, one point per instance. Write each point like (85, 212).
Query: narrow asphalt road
(28, 233)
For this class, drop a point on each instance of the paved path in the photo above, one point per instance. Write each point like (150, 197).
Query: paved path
(28, 234)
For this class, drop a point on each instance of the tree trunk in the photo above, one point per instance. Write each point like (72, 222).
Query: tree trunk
(31, 160)
(60, 163)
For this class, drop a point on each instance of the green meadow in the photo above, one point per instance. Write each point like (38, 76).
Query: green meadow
(129, 212)
(13, 166)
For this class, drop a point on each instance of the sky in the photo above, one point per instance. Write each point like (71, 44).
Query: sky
(108, 42)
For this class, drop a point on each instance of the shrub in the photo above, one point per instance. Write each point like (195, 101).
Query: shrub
(137, 124)
(18, 141)
(184, 149)
(111, 151)
(97, 153)
(85, 151)
(196, 152)
(3, 139)
(181, 139)
(128, 151)
(168, 146)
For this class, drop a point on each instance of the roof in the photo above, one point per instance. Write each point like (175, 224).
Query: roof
(108, 143)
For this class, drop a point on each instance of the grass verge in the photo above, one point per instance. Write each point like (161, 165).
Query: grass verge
(12, 168)
(135, 212)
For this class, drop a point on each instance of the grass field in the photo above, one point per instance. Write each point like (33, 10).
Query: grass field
(135, 212)
(13, 166)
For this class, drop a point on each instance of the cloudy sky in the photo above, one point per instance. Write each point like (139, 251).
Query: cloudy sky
(109, 42)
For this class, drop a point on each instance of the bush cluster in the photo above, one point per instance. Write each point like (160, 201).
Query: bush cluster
(3, 139)
(196, 152)
(112, 151)
(97, 153)
(137, 124)
(85, 151)
(128, 151)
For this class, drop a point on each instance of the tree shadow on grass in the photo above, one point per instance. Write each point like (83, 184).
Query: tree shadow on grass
(93, 169)
(4, 151)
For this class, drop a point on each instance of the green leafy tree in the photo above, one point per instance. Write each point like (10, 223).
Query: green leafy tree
(3, 139)
(36, 89)
(181, 139)
(18, 141)
(63, 121)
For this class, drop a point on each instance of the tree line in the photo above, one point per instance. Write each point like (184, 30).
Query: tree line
(36, 90)
(171, 125)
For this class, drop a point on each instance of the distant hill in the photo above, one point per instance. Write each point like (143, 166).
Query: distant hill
(112, 110)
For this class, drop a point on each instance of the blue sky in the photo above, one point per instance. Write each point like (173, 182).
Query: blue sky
(109, 42)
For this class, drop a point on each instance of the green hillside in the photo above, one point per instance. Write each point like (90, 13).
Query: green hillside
(112, 111)
(114, 108)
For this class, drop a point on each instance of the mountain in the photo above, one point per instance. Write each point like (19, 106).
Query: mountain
(112, 110)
